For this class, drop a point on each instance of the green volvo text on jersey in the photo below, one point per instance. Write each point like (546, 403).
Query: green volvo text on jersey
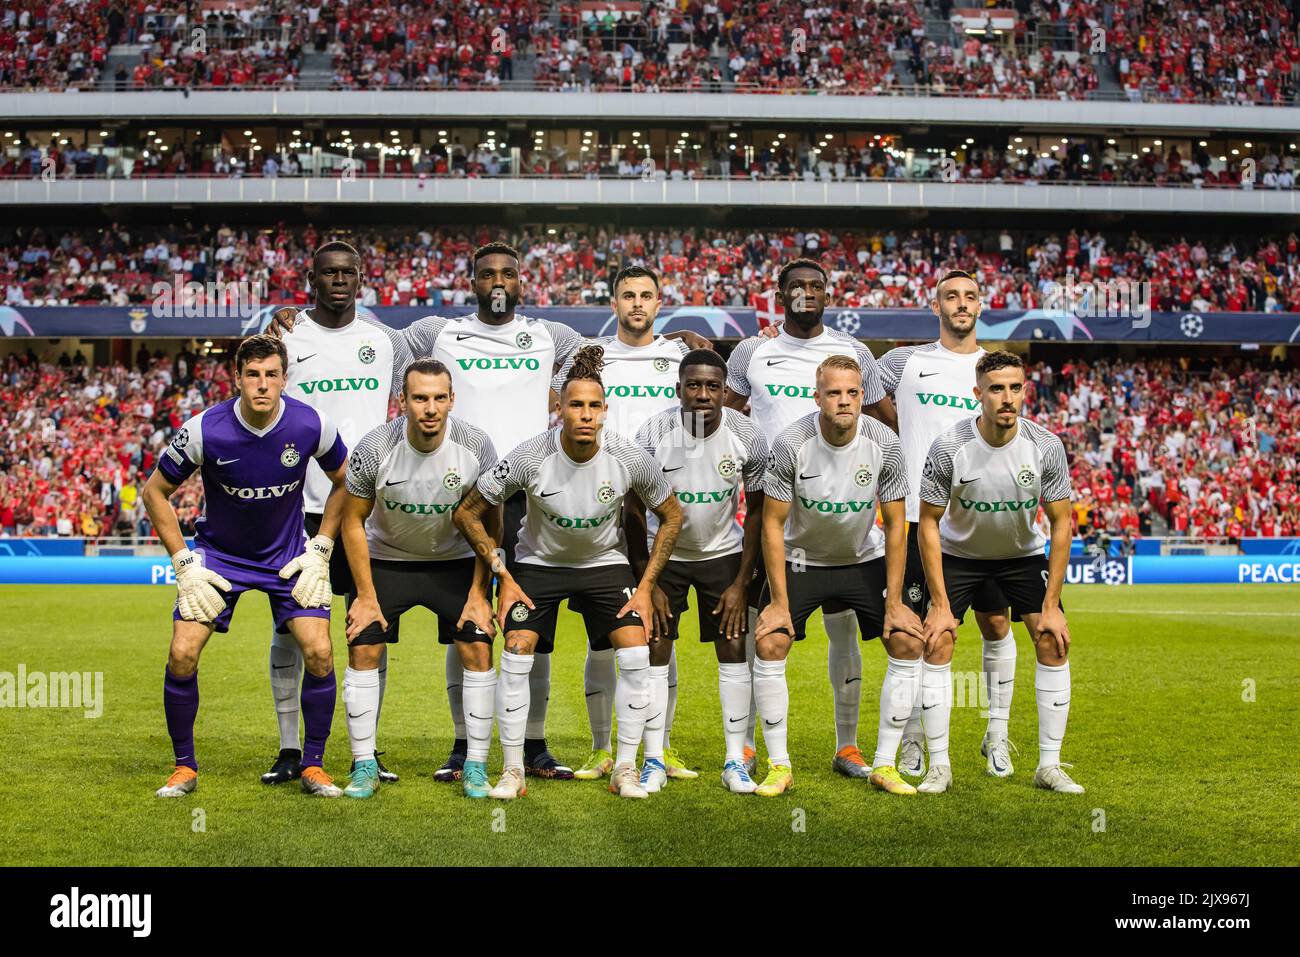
(340, 385)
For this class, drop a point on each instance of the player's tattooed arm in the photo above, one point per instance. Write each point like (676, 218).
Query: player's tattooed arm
(669, 514)
(468, 519)
(939, 620)
(1051, 625)
(898, 616)
(776, 616)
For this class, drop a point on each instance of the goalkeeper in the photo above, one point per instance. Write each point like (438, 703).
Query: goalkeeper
(252, 453)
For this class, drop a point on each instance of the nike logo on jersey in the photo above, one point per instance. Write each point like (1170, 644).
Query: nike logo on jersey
(462, 338)
(549, 494)
(226, 461)
(775, 362)
(390, 482)
(925, 375)
(678, 469)
(304, 358)
(967, 481)
(804, 478)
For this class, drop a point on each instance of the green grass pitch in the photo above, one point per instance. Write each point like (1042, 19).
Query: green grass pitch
(1181, 766)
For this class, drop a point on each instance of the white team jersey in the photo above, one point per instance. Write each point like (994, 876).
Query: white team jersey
(416, 492)
(780, 375)
(993, 494)
(640, 381)
(501, 375)
(834, 491)
(349, 374)
(705, 475)
(933, 390)
(575, 510)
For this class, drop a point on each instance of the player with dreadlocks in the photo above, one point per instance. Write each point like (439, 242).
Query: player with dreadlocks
(571, 545)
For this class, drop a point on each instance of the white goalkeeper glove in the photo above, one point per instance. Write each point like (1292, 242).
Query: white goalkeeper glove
(313, 568)
(197, 597)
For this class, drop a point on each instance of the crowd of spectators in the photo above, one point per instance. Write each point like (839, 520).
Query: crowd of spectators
(1241, 51)
(1156, 446)
(562, 266)
(1204, 450)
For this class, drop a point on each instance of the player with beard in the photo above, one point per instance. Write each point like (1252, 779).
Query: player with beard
(571, 546)
(640, 378)
(346, 366)
(933, 385)
(981, 487)
(776, 376)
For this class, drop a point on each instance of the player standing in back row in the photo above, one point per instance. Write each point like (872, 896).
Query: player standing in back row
(933, 385)
(776, 376)
(346, 366)
(981, 487)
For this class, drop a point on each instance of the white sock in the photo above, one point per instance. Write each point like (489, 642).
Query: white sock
(383, 684)
(512, 700)
(286, 679)
(912, 731)
(361, 705)
(1052, 689)
(773, 698)
(657, 713)
(671, 711)
(598, 677)
(632, 700)
(735, 691)
(751, 654)
(898, 693)
(539, 687)
(480, 697)
(936, 709)
(844, 664)
(1000, 677)
(456, 690)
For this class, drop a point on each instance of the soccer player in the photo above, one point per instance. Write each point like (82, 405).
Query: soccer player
(705, 451)
(571, 546)
(640, 376)
(346, 366)
(827, 475)
(252, 452)
(775, 377)
(933, 388)
(981, 487)
(404, 480)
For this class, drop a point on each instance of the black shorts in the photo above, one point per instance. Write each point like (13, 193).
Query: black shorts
(758, 595)
(988, 598)
(710, 578)
(441, 587)
(340, 573)
(512, 516)
(1022, 580)
(601, 591)
(857, 588)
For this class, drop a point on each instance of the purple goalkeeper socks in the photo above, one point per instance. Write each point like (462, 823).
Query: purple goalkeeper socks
(181, 704)
(318, 696)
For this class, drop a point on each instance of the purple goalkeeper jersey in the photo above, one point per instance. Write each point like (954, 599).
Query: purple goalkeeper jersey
(252, 478)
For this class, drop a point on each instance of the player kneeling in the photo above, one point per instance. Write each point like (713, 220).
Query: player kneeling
(705, 452)
(252, 453)
(981, 488)
(571, 546)
(827, 474)
(405, 480)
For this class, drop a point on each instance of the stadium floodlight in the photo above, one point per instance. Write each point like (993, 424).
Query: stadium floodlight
(1021, 139)
(393, 132)
(1111, 142)
(1247, 145)
(248, 132)
(297, 132)
(345, 132)
(1236, 152)
(1203, 143)
(733, 134)
(1159, 142)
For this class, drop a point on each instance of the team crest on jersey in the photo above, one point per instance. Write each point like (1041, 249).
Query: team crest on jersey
(661, 364)
(771, 461)
(502, 470)
(727, 467)
(289, 457)
(451, 481)
(914, 593)
(862, 476)
(1026, 477)
(524, 340)
(605, 494)
(519, 613)
(366, 353)
(927, 470)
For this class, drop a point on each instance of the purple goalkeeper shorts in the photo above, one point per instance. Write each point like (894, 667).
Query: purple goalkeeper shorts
(245, 576)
